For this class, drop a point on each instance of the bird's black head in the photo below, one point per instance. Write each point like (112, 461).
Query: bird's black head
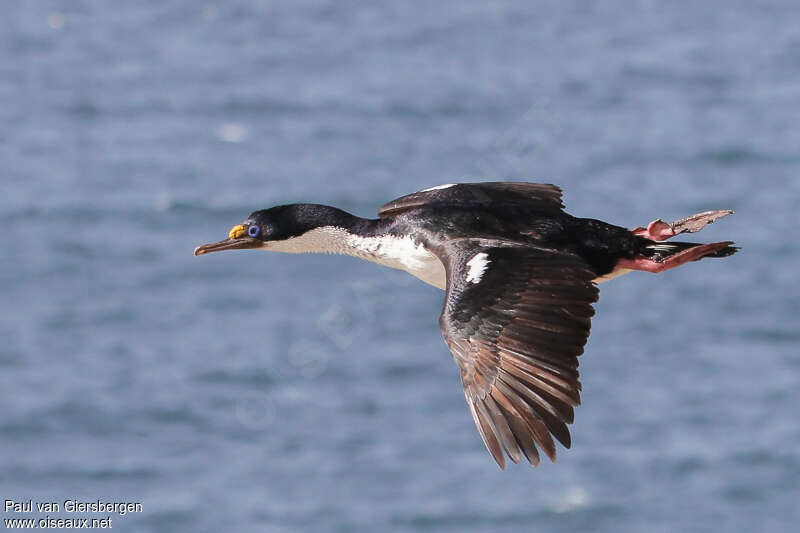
(269, 227)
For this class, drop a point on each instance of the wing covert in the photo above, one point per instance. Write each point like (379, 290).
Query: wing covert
(543, 197)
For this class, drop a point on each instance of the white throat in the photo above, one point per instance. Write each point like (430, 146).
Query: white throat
(402, 253)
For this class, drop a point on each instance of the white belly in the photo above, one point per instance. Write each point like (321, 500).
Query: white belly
(404, 254)
(617, 272)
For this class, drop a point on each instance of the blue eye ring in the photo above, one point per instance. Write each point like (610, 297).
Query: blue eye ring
(253, 231)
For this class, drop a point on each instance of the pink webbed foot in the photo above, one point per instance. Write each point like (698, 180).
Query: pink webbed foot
(658, 230)
(675, 260)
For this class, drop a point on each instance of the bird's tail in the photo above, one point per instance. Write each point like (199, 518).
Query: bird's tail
(656, 255)
(660, 252)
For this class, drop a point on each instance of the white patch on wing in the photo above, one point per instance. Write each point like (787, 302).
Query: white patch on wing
(402, 253)
(445, 186)
(477, 266)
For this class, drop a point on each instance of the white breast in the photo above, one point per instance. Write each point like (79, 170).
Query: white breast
(402, 253)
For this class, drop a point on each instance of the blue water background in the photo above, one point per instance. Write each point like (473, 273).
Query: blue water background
(258, 392)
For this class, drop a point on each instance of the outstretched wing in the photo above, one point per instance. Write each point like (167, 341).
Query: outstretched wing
(516, 319)
(543, 197)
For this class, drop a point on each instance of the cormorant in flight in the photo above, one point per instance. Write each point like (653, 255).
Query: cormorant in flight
(520, 276)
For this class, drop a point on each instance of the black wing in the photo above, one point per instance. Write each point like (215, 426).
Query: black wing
(516, 319)
(543, 197)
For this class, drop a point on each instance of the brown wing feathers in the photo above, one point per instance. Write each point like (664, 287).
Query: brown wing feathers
(516, 335)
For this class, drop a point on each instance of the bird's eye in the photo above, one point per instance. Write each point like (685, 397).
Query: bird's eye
(253, 231)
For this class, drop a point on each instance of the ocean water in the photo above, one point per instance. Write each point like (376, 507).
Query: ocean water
(261, 392)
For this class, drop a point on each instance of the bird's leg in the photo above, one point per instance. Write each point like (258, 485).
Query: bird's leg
(658, 230)
(675, 260)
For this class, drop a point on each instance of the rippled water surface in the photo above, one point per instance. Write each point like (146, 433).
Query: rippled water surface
(258, 392)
